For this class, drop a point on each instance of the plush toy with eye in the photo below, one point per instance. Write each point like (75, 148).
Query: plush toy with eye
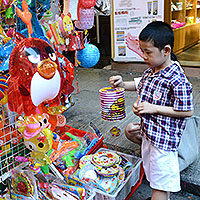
(35, 76)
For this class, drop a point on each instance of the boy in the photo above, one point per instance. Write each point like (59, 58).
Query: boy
(164, 101)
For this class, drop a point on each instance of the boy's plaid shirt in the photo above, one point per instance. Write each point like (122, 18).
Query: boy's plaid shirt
(169, 87)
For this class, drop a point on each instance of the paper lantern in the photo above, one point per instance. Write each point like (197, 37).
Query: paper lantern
(112, 103)
(86, 18)
(89, 56)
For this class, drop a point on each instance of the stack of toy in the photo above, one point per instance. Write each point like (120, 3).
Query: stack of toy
(112, 103)
(104, 170)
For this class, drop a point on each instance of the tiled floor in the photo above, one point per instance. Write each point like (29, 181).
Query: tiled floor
(191, 55)
(190, 60)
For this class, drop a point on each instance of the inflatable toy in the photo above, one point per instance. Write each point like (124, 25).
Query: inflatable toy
(35, 76)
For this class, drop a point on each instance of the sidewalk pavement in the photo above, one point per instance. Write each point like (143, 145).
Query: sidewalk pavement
(87, 108)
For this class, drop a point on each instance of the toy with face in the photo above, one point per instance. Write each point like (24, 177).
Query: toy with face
(32, 125)
(35, 76)
(66, 25)
(39, 145)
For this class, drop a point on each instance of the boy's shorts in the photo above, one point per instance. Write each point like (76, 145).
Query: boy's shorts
(161, 167)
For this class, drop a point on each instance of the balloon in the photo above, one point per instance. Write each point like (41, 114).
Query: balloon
(37, 27)
(89, 56)
(40, 145)
(33, 62)
(26, 16)
(54, 8)
(53, 115)
(32, 125)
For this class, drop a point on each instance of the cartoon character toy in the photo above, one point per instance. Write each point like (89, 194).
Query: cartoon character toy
(40, 144)
(35, 76)
(35, 73)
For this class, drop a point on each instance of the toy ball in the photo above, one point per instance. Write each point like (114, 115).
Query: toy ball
(89, 56)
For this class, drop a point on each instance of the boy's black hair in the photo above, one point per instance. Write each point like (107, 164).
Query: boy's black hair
(160, 34)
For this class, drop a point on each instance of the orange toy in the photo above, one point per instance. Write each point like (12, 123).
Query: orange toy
(26, 16)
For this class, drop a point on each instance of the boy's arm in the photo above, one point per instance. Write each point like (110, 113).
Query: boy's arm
(116, 81)
(146, 107)
(169, 111)
(130, 85)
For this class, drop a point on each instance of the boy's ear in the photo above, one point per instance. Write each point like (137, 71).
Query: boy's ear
(167, 49)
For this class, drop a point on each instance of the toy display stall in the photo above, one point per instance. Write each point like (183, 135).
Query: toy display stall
(41, 157)
(110, 187)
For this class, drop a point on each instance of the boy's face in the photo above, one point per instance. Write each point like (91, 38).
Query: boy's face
(152, 55)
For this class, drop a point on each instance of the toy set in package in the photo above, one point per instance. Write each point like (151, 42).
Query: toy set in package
(75, 144)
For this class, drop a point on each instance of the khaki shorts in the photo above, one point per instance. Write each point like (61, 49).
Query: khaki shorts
(161, 167)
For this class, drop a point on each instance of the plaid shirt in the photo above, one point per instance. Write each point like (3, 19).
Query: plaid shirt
(168, 87)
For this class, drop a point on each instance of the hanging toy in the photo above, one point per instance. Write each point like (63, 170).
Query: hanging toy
(4, 35)
(10, 32)
(9, 16)
(53, 115)
(86, 19)
(26, 16)
(54, 9)
(66, 25)
(31, 6)
(89, 56)
(85, 14)
(76, 41)
(36, 76)
(32, 125)
(3, 86)
(39, 146)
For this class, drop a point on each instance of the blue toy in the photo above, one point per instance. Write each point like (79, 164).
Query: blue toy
(5, 52)
(38, 31)
(89, 56)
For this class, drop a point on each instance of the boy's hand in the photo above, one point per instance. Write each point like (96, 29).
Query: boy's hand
(116, 81)
(135, 108)
(145, 107)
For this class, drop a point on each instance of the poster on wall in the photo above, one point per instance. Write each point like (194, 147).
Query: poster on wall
(130, 17)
